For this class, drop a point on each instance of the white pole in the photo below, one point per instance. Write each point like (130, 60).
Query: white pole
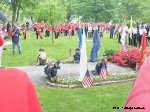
(1, 47)
(1, 50)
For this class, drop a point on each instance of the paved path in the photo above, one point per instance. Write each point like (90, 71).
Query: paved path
(37, 75)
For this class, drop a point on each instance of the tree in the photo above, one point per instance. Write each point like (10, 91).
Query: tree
(17, 5)
(145, 7)
(128, 8)
(51, 12)
(97, 10)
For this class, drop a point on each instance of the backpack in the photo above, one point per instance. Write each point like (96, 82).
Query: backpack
(47, 70)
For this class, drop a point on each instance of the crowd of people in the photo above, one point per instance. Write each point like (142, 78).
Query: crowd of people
(119, 30)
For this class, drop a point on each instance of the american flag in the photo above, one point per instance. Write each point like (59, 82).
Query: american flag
(87, 80)
(103, 73)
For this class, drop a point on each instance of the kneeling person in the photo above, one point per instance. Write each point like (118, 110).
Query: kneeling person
(101, 65)
(77, 55)
(42, 58)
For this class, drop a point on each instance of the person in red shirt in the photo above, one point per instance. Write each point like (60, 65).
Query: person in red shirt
(24, 31)
(72, 28)
(47, 32)
(42, 25)
(10, 31)
(57, 29)
(17, 92)
(70, 32)
(66, 29)
(38, 32)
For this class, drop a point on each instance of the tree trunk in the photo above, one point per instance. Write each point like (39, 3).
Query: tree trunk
(52, 32)
(14, 17)
(18, 9)
(14, 8)
(52, 29)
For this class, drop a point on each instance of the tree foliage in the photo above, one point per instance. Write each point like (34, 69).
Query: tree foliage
(89, 10)
(50, 11)
(95, 10)
(138, 9)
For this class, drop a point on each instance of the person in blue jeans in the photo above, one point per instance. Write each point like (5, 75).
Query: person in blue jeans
(16, 40)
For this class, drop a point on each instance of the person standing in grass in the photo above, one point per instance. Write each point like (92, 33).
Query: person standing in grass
(70, 33)
(57, 29)
(47, 32)
(10, 32)
(16, 40)
(38, 32)
(24, 31)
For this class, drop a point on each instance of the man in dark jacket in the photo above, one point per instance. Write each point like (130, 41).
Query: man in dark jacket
(16, 40)
(77, 55)
(112, 28)
(100, 65)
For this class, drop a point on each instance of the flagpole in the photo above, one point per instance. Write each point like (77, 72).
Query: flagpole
(131, 27)
(83, 59)
(1, 50)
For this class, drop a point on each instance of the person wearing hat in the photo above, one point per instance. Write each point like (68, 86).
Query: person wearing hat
(77, 55)
(16, 40)
(101, 65)
(42, 58)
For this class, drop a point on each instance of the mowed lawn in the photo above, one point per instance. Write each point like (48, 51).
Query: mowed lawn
(94, 99)
(59, 50)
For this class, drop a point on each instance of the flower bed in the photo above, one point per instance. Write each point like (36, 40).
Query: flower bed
(129, 58)
(110, 77)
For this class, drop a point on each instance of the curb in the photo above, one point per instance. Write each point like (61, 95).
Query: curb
(95, 84)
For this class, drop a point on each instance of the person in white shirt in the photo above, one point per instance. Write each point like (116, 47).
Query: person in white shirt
(89, 31)
(123, 32)
(130, 36)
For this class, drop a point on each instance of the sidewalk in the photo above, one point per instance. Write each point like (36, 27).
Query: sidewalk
(37, 75)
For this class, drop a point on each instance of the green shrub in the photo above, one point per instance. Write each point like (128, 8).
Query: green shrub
(108, 52)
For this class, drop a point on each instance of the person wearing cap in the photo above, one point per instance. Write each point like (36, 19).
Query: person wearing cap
(100, 65)
(77, 55)
(16, 40)
(42, 58)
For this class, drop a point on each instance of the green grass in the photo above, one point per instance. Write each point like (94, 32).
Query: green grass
(94, 99)
(59, 50)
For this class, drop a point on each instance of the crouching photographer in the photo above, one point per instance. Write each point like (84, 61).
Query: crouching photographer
(51, 70)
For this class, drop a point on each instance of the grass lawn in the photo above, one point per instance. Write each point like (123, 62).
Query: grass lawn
(94, 99)
(60, 49)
